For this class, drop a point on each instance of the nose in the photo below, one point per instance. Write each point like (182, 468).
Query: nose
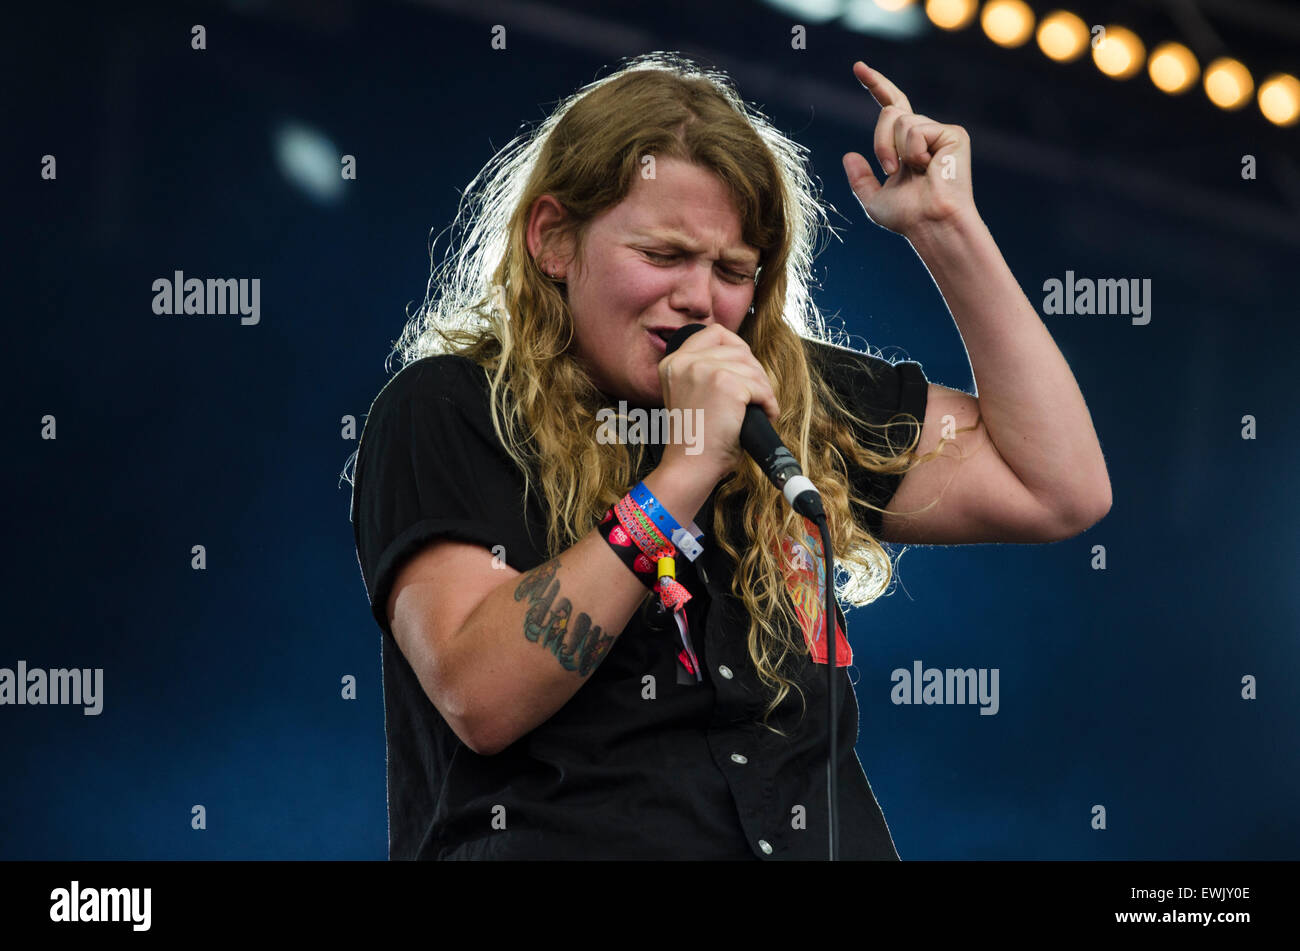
(693, 294)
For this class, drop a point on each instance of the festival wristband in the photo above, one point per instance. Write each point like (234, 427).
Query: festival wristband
(640, 545)
(644, 532)
(688, 542)
(661, 553)
(626, 548)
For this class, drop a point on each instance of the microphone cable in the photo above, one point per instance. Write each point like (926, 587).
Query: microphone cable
(761, 442)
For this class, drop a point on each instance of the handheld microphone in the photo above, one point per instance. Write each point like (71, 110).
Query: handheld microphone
(759, 439)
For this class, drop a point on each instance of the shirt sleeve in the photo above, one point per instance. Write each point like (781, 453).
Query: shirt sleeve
(877, 390)
(414, 480)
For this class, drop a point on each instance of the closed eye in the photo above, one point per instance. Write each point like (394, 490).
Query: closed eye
(739, 277)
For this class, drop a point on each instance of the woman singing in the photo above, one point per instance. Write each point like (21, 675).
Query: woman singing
(598, 645)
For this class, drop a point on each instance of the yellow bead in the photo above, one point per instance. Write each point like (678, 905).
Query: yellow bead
(667, 569)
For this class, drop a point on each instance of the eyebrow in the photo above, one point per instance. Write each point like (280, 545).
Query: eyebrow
(732, 255)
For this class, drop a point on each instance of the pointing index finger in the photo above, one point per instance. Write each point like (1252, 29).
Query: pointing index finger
(881, 89)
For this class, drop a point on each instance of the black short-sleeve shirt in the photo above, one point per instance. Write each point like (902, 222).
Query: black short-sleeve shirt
(614, 774)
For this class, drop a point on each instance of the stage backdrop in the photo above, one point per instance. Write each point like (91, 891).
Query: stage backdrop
(1146, 666)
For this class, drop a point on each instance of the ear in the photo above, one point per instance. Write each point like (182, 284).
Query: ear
(548, 243)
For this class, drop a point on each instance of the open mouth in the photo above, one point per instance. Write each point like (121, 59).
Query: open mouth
(659, 339)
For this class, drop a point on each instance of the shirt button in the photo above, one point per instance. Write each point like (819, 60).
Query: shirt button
(737, 758)
(724, 670)
(765, 846)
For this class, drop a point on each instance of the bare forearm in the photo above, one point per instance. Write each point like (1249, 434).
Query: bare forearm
(1030, 402)
(534, 640)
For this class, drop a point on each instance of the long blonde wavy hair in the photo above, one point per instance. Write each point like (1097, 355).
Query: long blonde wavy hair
(489, 301)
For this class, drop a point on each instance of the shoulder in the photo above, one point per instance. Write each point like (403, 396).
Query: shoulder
(446, 376)
(836, 359)
(862, 376)
(426, 403)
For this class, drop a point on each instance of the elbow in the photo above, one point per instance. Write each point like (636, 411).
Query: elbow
(482, 739)
(469, 709)
(471, 730)
(492, 726)
(471, 698)
(478, 732)
(1082, 516)
(1100, 500)
(1099, 507)
(451, 697)
(482, 706)
(476, 721)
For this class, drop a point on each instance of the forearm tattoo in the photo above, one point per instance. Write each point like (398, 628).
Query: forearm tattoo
(547, 622)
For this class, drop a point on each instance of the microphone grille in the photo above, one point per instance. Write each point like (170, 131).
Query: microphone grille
(679, 336)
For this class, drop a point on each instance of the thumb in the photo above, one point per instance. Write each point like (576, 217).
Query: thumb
(861, 179)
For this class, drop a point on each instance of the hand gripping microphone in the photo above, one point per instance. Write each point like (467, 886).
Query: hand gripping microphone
(759, 439)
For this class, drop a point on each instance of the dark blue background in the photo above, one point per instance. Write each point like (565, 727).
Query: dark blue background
(222, 687)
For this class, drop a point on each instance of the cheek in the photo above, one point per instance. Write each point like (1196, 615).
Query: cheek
(640, 287)
(622, 290)
(736, 303)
